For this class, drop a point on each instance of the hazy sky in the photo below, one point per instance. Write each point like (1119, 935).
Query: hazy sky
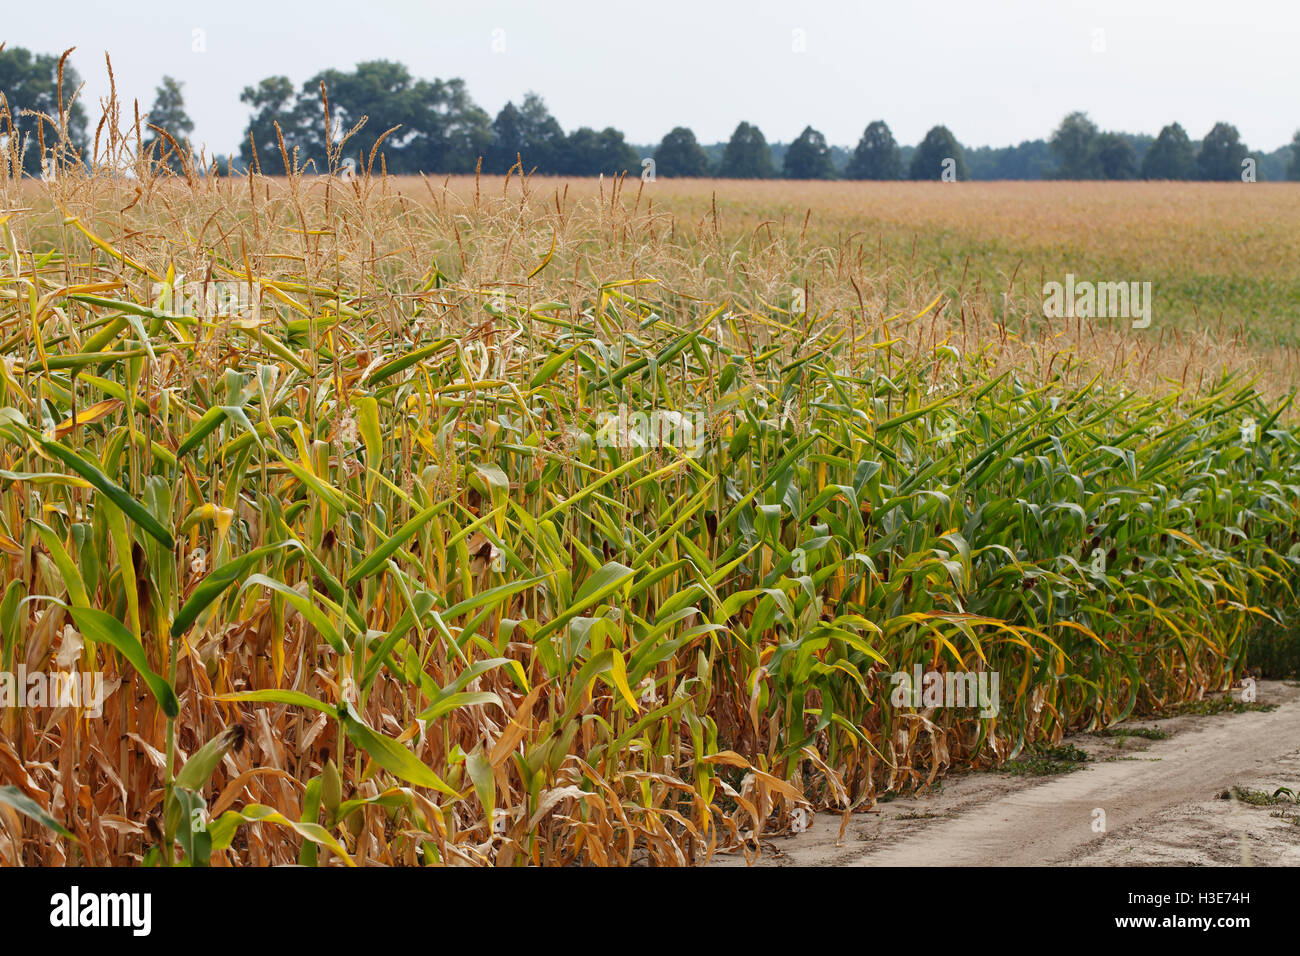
(995, 71)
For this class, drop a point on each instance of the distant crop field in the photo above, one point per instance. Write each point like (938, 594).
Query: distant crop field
(523, 522)
(1219, 256)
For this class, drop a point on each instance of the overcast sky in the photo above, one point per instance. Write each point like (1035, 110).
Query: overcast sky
(996, 71)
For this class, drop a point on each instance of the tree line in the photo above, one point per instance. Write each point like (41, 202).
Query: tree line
(414, 125)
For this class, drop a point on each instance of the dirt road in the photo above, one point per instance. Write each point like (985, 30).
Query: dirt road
(1162, 802)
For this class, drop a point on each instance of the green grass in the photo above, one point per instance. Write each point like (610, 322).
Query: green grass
(1212, 706)
(1122, 733)
(1262, 798)
(1047, 761)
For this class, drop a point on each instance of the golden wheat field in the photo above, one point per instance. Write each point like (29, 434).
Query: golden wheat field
(1220, 256)
(473, 522)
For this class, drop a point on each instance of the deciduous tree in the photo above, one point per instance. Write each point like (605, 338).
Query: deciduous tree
(876, 155)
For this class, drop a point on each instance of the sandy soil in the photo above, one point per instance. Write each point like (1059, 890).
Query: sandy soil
(1163, 802)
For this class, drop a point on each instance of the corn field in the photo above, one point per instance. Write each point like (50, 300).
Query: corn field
(381, 566)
